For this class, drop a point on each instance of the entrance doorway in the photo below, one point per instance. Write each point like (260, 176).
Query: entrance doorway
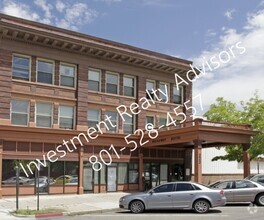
(88, 177)
(111, 179)
(177, 173)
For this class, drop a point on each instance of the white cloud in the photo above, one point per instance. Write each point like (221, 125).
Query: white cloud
(64, 15)
(19, 10)
(60, 6)
(238, 79)
(229, 13)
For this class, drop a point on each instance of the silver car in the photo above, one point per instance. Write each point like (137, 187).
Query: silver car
(241, 191)
(259, 178)
(174, 195)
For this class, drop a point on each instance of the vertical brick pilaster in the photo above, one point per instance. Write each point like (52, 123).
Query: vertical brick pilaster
(82, 105)
(103, 81)
(1, 163)
(32, 110)
(33, 69)
(141, 92)
(121, 84)
(57, 73)
(56, 115)
(5, 85)
(187, 95)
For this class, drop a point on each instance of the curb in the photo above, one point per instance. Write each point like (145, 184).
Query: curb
(99, 211)
(49, 215)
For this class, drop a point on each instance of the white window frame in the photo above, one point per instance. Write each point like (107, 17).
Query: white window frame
(28, 111)
(52, 112)
(53, 71)
(30, 63)
(100, 115)
(134, 121)
(74, 77)
(154, 85)
(135, 85)
(74, 117)
(100, 78)
(181, 88)
(168, 90)
(117, 121)
(118, 81)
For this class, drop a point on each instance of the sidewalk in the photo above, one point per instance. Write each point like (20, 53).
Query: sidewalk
(72, 204)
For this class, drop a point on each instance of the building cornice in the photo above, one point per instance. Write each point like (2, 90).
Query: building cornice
(41, 34)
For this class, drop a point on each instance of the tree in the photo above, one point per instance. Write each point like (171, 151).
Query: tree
(252, 112)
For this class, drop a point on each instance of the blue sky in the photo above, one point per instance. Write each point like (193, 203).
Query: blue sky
(188, 29)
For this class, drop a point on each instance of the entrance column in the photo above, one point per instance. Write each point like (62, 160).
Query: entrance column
(80, 189)
(246, 160)
(140, 171)
(197, 161)
(1, 159)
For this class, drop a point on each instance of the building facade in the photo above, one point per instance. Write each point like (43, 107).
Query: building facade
(62, 101)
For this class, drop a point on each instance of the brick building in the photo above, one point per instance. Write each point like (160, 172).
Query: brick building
(55, 84)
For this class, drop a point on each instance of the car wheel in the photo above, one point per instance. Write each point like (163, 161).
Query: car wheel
(201, 206)
(260, 200)
(137, 206)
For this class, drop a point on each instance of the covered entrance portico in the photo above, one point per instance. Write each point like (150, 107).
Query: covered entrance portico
(198, 134)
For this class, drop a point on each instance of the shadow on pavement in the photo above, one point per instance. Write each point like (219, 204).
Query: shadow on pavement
(211, 211)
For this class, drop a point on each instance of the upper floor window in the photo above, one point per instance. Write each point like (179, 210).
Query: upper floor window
(67, 75)
(44, 114)
(19, 112)
(150, 85)
(45, 71)
(112, 83)
(162, 121)
(93, 117)
(164, 87)
(177, 95)
(114, 121)
(21, 67)
(128, 124)
(129, 86)
(94, 79)
(150, 120)
(66, 117)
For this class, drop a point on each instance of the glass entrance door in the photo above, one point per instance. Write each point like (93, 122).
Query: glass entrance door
(111, 179)
(88, 177)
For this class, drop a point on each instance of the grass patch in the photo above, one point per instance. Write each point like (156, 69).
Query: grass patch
(34, 212)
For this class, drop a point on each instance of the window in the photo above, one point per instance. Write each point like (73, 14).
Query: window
(66, 117)
(133, 173)
(94, 80)
(114, 121)
(112, 83)
(45, 72)
(122, 173)
(44, 115)
(151, 120)
(128, 124)
(244, 184)
(67, 75)
(150, 85)
(184, 187)
(93, 117)
(164, 87)
(19, 112)
(162, 121)
(129, 84)
(177, 95)
(164, 188)
(21, 67)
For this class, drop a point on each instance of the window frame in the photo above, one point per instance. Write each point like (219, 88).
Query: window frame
(28, 112)
(118, 82)
(100, 79)
(100, 116)
(154, 87)
(135, 85)
(117, 121)
(74, 116)
(154, 120)
(74, 77)
(133, 124)
(29, 70)
(180, 88)
(52, 112)
(168, 90)
(53, 70)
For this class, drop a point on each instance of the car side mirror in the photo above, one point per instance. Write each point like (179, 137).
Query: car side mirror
(151, 192)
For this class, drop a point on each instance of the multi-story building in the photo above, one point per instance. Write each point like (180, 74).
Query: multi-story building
(79, 105)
